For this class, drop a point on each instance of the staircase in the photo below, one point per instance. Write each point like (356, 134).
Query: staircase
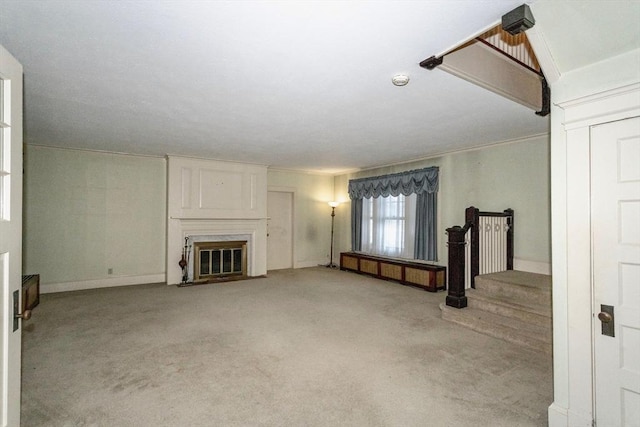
(511, 305)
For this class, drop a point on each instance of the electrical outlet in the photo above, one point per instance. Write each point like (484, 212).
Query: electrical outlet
(110, 271)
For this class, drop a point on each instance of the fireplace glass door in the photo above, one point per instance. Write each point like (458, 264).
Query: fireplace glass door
(219, 259)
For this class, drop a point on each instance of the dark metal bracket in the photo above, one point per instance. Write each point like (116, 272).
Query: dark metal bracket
(431, 62)
(546, 99)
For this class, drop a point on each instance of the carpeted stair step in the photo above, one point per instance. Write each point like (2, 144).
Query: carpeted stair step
(514, 330)
(519, 286)
(528, 311)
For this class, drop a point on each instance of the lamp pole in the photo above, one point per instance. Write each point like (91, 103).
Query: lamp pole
(333, 216)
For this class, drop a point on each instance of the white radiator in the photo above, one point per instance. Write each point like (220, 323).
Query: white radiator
(492, 232)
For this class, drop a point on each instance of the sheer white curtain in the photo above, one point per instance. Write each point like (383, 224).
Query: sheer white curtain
(388, 225)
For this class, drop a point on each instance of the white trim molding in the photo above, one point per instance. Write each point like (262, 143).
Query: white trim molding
(308, 264)
(49, 288)
(532, 266)
(603, 107)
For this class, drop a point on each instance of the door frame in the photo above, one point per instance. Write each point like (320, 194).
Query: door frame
(11, 334)
(574, 324)
(292, 190)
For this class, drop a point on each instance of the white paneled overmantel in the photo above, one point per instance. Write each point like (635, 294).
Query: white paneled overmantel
(215, 199)
(215, 189)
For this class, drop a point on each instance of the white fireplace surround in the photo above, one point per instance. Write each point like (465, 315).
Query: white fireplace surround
(211, 230)
(215, 201)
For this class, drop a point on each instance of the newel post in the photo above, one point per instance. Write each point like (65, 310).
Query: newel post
(456, 243)
(509, 214)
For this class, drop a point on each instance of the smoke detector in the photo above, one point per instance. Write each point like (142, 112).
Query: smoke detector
(400, 79)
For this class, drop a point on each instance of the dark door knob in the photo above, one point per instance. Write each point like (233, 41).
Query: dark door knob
(26, 315)
(605, 317)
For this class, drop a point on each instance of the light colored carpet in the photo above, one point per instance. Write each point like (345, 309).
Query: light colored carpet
(308, 347)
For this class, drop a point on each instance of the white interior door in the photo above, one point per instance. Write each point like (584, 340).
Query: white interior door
(10, 232)
(279, 230)
(615, 224)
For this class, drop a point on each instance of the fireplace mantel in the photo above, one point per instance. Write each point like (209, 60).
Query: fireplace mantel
(214, 198)
(217, 219)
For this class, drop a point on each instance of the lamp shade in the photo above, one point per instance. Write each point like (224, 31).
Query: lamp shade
(334, 204)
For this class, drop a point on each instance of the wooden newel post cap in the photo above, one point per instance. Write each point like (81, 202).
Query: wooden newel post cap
(456, 234)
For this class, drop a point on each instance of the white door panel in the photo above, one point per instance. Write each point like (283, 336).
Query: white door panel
(279, 230)
(615, 225)
(10, 233)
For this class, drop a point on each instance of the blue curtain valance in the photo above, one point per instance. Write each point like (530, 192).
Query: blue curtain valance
(416, 181)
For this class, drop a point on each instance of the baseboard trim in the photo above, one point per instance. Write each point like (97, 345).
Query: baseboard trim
(557, 416)
(49, 288)
(579, 419)
(532, 266)
(307, 264)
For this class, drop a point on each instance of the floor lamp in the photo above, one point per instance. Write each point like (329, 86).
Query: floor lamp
(333, 217)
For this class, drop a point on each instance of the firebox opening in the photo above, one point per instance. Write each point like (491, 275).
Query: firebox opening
(220, 260)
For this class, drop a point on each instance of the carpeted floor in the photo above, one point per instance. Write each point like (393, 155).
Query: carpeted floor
(308, 347)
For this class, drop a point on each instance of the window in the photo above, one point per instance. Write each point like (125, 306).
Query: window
(402, 224)
(5, 153)
(388, 225)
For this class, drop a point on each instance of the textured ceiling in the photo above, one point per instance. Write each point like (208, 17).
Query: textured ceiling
(297, 85)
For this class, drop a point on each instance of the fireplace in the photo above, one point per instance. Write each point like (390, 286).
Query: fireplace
(219, 260)
(221, 202)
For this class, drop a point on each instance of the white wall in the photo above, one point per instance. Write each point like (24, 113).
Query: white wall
(312, 215)
(512, 175)
(88, 212)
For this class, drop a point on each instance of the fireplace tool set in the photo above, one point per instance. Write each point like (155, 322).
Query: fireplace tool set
(184, 261)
